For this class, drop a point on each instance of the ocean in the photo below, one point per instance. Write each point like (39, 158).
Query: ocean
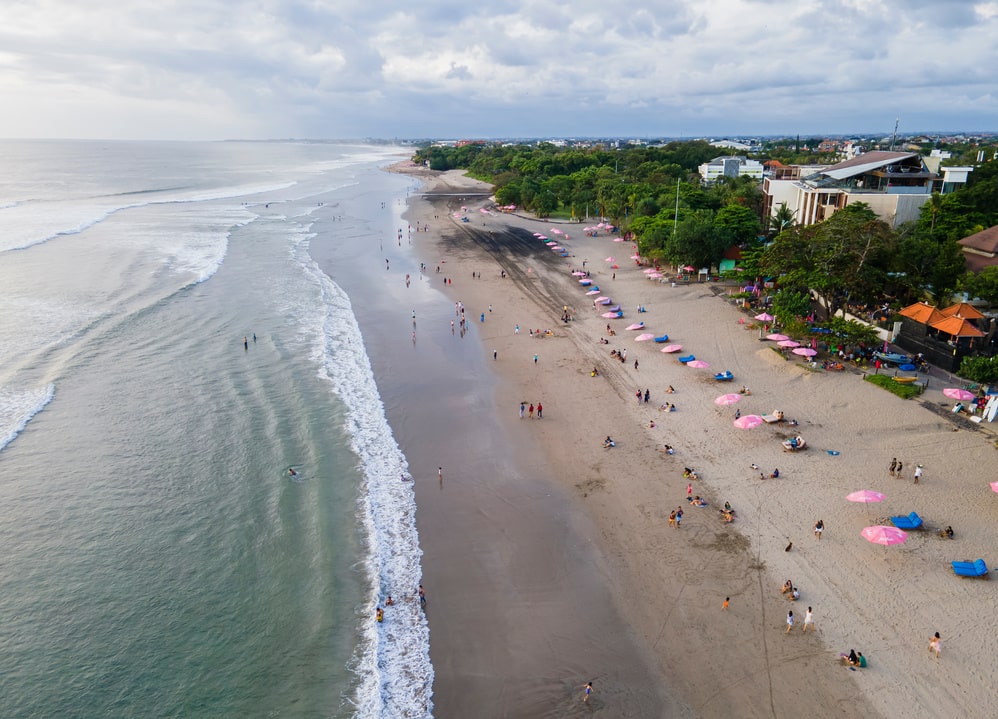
(169, 348)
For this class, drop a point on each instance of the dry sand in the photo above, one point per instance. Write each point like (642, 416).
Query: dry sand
(669, 584)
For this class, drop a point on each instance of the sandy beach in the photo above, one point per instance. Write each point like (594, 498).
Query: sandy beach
(639, 611)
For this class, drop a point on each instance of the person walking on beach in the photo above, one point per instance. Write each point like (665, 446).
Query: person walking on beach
(245, 344)
(819, 527)
(587, 692)
(679, 516)
(724, 605)
(808, 620)
(635, 364)
(422, 596)
(935, 644)
(540, 411)
(900, 470)
(790, 621)
(535, 359)
(440, 473)
(918, 473)
(647, 393)
(530, 411)
(523, 408)
(894, 466)
(638, 395)
(689, 490)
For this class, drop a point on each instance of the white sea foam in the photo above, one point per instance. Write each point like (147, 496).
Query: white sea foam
(23, 225)
(393, 661)
(18, 406)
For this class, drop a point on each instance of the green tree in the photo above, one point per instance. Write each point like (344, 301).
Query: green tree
(791, 304)
(983, 285)
(843, 257)
(741, 223)
(980, 369)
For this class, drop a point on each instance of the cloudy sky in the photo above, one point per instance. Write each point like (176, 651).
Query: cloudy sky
(209, 69)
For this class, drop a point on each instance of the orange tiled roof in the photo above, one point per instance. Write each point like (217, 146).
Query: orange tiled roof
(957, 327)
(962, 310)
(921, 312)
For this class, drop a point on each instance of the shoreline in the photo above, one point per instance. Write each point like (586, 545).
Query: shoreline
(736, 661)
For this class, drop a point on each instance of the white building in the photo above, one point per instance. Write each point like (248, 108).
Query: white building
(732, 166)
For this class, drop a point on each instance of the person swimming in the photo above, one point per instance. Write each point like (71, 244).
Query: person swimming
(292, 472)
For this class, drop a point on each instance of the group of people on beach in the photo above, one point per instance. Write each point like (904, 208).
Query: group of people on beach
(529, 410)
(896, 470)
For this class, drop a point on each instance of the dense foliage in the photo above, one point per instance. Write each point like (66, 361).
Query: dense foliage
(980, 369)
(656, 194)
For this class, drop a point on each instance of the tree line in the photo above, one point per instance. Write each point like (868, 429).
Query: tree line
(656, 194)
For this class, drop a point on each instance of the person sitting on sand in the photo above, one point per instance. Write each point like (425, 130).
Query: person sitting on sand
(851, 658)
(754, 466)
(727, 507)
(608, 442)
(788, 586)
(668, 449)
(775, 474)
(594, 373)
(745, 390)
(794, 594)
(727, 517)
(689, 473)
(699, 502)
(651, 424)
(946, 533)
(670, 390)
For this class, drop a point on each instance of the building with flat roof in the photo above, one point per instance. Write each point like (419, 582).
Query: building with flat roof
(894, 184)
(731, 166)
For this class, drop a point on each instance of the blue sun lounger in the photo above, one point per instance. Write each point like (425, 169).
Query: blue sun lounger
(912, 521)
(663, 338)
(977, 568)
(687, 358)
(725, 376)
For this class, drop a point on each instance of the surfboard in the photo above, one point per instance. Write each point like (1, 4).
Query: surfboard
(991, 408)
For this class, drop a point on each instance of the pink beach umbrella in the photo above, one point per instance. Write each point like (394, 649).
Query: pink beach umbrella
(994, 486)
(765, 317)
(636, 326)
(698, 364)
(655, 276)
(578, 273)
(649, 270)
(748, 421)
(805, 352)
(668, 349)
(542, 237)
(866, 496)
(635, 256)
(958, 394)
(593, 292)
(610, 316)
(538, 234)
(788, 343)
(619, 239)
(777, 337)
(644, 337)
(609, 259)
(880, 534)
(726, 399)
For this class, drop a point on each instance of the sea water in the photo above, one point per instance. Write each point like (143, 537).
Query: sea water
(158, 557)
